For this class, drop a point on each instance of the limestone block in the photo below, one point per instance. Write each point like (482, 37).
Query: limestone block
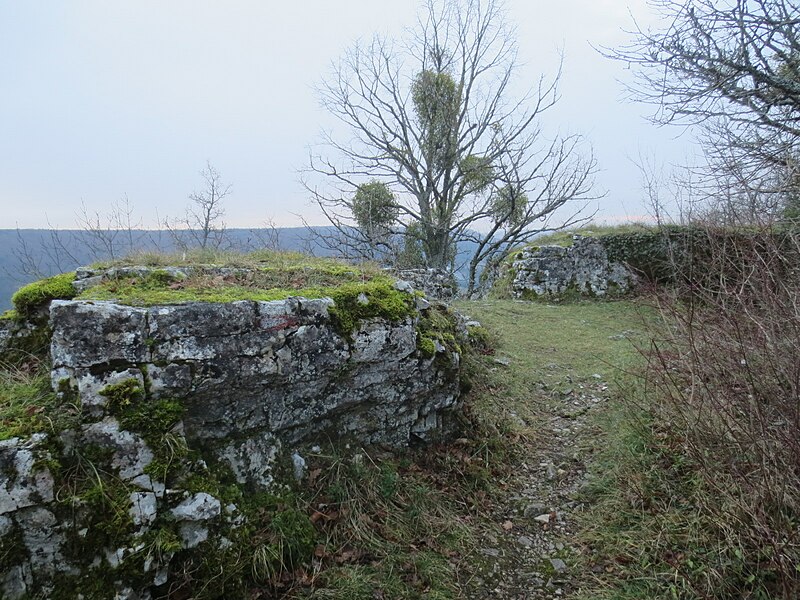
(201, 320)
(144, 508)
(173, 380)
(252, 459)
(130, 452)
(198, 507)
(86, 334)
(376, 341)
(23, 483)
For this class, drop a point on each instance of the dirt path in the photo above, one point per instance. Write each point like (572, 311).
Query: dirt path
(531, 553)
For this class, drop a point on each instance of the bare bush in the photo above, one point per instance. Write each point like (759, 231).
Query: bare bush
(726, 371)
(732, 69)
(202, 225)
(98, 236)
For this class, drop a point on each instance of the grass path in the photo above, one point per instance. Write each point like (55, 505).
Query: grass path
(552, 375)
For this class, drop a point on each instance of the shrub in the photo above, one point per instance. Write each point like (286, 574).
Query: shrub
(716, 475)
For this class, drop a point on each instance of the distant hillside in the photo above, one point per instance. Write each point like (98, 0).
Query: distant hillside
(28, 254)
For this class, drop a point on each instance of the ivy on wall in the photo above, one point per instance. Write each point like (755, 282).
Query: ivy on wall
(673, 254)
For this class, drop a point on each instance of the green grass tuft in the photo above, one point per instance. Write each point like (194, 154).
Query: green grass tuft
(564, 238)
(34, 295)
(28, 405)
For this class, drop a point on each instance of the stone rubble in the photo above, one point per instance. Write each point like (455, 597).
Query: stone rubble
(533, 559)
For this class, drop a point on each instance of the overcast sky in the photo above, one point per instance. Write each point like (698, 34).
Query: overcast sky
(105, 99)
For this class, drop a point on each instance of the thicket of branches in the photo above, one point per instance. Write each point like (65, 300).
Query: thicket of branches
(726, 372)
(718, 480)
(117, 232)
(731, 70)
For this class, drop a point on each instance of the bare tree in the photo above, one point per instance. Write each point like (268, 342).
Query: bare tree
(733, 67)
(201, 226)
(267, 237)
(430, 118)
(52, 254)
(112, 234)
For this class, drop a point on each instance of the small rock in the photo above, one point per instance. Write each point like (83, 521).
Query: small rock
(545, 518)
(362, 299)
(115, 557)
(558, 565)
(199, 507)
(193, 534)
(161, 577)
(299, 464)
(531, 510)
(403, 286)
(524, 540)
(143, 508)
(502, 361)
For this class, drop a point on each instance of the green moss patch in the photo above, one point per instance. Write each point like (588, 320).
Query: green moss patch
(354, 300)
(595, 230)
(151, 419)
(35, 295)
(358, 301)
(137, 292)
(147, 417)
(426, 346)
(437, 324)
(265, 269)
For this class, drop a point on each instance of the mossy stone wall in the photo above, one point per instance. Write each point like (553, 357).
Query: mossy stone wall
(181, 420)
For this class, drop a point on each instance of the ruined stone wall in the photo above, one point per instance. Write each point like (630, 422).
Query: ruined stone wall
(168, 403)
(582, 269)
(435, 283)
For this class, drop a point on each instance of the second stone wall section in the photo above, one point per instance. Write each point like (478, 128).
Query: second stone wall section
(582, 269)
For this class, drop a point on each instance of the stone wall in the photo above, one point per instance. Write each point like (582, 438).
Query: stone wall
(204, 393)
(582, 269)
(435, 283)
